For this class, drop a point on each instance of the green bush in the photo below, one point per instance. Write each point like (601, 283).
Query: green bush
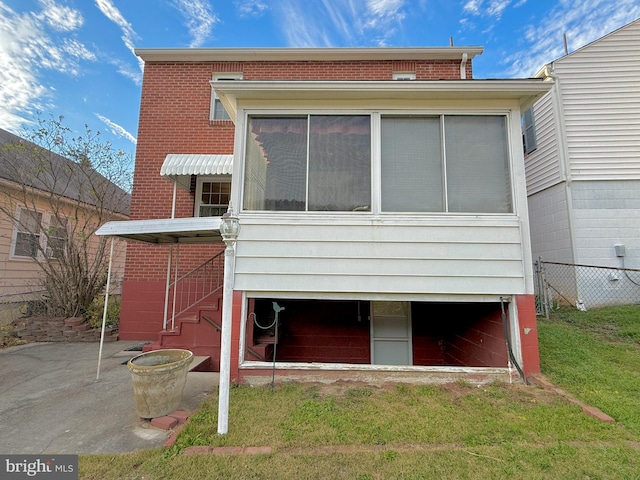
(96, 310)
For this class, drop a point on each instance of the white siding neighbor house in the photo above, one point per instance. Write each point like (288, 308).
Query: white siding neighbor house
(583, 163)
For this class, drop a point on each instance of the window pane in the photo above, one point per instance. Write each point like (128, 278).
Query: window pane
(26, 245)
(411, 165)
(340, 163)
(212, 202)
(477, 164)
(219, 113)
(276, 164)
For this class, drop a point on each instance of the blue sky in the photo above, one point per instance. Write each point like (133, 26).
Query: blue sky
(75, 57)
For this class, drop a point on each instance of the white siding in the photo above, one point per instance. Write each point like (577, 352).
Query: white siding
(600, 87)
(464, 256)
(542, 165)
(550, 228)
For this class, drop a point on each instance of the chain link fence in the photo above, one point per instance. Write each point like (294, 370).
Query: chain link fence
(584, 286)
(17, 305)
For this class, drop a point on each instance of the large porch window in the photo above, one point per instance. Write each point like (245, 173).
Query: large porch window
(451, 163)
(428, 163)
(308, 163)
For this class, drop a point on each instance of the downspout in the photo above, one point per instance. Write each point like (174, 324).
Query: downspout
(563, 157)
(463, 66)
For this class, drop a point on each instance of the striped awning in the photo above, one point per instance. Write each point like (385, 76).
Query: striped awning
(180, 166)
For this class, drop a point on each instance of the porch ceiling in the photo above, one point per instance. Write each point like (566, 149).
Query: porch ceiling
(166, 230)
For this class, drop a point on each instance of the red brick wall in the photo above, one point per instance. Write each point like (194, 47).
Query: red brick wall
(318, 331)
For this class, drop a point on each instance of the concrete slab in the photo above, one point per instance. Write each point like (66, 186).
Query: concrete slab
(50, 401)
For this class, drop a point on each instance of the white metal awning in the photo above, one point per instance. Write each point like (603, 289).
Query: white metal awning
(166, 231)
(180, 166)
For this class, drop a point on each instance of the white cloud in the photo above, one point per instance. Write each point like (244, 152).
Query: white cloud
(116, 129)
(473, 7)
(27, 50)
(251, 7)
(61, 17)
(352, 22)
(200, 19)
(583, 22)
(129, 35)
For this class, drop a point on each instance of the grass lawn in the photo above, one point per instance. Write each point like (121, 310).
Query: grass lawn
(456, 431)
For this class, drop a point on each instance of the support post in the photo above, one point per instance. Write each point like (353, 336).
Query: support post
(104, 311)
(225, 347)
(229, 228)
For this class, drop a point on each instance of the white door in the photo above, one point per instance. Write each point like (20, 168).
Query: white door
(391, 333)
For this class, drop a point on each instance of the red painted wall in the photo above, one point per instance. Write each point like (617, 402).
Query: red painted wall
(318, 331)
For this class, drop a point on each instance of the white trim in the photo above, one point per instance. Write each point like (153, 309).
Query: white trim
(316, 54)
(524, 91)
(18, 229)
(221, 77)
(251, 365)
(403, 76)
(198, 194)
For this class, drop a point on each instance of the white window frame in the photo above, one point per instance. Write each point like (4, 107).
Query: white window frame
(206, 179)
(17, 228)
(235, 76)
(403, 76)
(44, 249)
(376, 115)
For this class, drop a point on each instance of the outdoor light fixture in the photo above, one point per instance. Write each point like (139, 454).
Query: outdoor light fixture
(229, 227)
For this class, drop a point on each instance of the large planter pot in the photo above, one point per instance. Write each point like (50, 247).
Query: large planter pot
(158, 378)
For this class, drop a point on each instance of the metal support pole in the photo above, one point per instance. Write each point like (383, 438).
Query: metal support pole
(104, 311)
(225, 347)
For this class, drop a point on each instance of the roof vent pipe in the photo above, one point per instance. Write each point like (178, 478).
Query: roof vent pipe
(463, 67)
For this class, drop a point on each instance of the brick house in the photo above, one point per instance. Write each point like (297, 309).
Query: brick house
(382, 207)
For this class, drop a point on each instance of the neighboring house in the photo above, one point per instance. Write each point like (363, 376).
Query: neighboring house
(381, 200)
(46, 199)
(583, 165)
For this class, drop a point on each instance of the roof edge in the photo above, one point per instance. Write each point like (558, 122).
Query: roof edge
(317, 54)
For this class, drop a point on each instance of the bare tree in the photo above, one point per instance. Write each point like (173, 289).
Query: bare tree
(57, 189)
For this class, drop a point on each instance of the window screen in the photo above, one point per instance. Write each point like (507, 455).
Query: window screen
(411, 165)
(477, 164)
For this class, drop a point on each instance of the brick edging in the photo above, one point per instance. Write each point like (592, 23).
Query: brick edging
(59, 329)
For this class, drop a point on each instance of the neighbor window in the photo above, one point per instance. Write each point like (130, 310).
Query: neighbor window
(212, 196)
(27, 234)
(308, 163)
(56, 237)
(529, 131)
(217, 110)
